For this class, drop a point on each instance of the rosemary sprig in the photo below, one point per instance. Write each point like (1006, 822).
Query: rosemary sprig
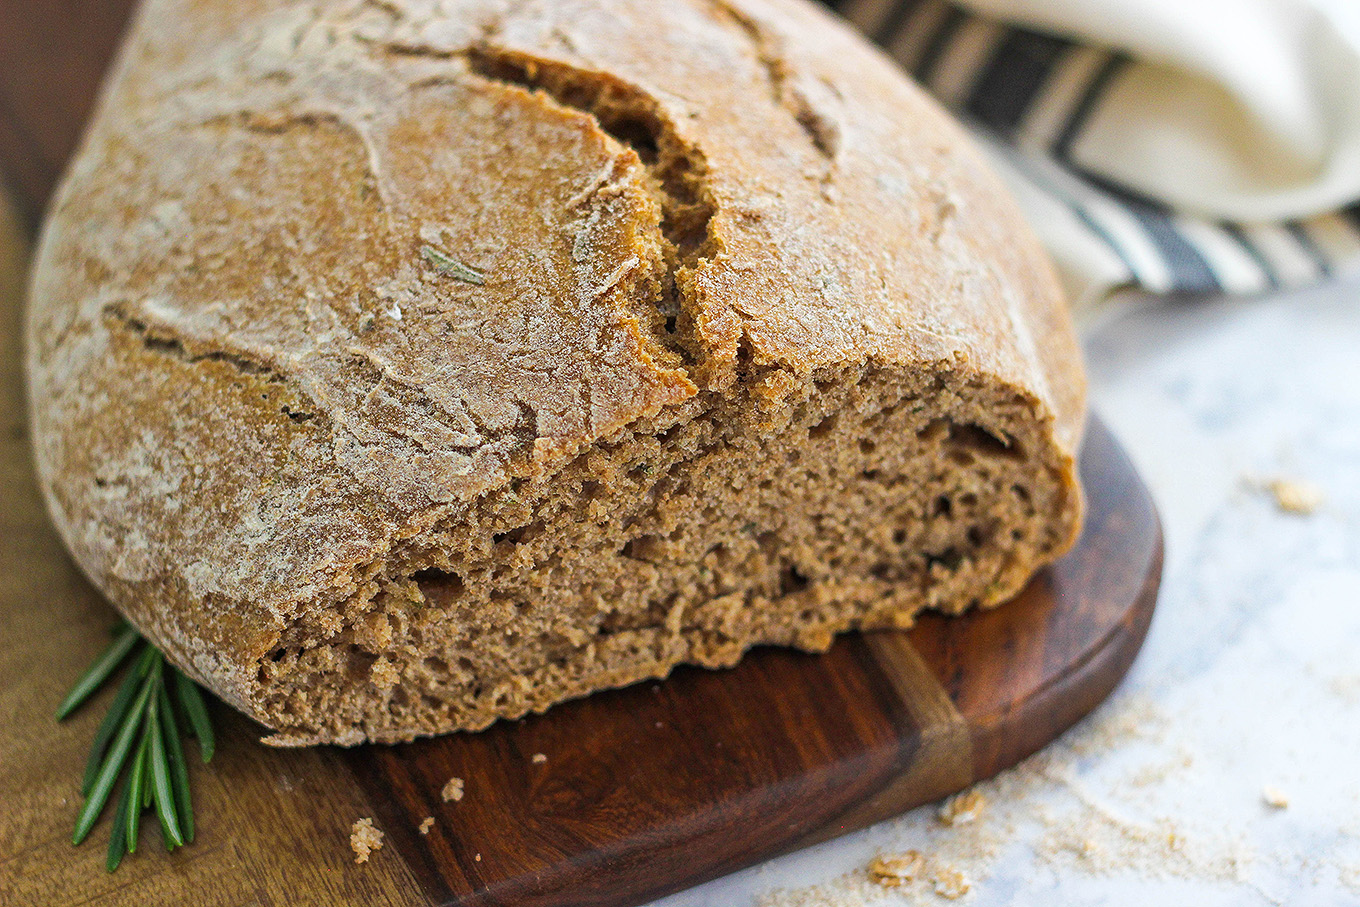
(140, 733)
(445, 263)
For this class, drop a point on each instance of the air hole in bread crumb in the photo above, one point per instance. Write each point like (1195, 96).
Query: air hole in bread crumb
(824, 427)
(647, 548)
(950, 559)
(513, 536)
(438, 584)
(792, 580)
(974, 437)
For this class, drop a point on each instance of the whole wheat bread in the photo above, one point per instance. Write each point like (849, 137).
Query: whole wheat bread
(397, 368)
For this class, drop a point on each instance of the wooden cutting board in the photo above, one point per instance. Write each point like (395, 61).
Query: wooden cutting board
(641, 792)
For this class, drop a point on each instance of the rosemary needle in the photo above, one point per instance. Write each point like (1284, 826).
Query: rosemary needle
(179, 769)
(137, 780)
(162, 794)
(198, 714)
(118, 837)
(99, 671)
(445, 263)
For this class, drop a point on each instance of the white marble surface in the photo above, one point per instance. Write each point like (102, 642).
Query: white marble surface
(1251, 673)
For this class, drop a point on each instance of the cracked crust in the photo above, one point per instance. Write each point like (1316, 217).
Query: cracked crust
(355, 328)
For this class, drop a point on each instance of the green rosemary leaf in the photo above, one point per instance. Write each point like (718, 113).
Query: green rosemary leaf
(139, 740)
(447, 264)
(113, 764)
(118, 837)
(99, 671)
(179, 769)
(198, 714)
(137, 779)
(162, 792)
(126, 691)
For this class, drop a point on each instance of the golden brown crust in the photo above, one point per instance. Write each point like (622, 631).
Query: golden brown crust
(255, 370)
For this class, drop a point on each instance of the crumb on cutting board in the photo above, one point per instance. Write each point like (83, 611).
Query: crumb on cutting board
(364, 839)
(538, 758)
(426, 824)
(1274, 797)
(453, 790)
(896, 869)
(962, 808)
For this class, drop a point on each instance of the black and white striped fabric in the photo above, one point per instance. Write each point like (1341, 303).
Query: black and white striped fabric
(1028, 95)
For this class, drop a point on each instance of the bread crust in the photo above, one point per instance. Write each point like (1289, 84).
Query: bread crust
(323, 275)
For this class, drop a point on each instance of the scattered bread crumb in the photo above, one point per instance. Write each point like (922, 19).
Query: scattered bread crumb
(1274, 797)
(538, 759)
(364, 839)
(478, 858)
(963, 808)
(453, 790)
(950, 883)
(1293, 495)
(892, 871)
(426, 824)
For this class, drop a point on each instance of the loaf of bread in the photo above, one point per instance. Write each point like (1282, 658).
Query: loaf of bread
(398, 366)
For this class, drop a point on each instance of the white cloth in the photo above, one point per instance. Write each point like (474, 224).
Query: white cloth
(1176, 145)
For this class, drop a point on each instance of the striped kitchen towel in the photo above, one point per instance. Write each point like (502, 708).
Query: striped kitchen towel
(1174, 146)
